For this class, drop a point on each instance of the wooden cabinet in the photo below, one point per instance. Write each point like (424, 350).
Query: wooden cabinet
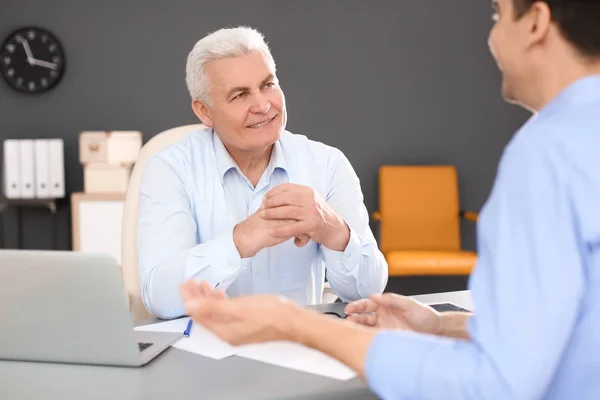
(97, 219)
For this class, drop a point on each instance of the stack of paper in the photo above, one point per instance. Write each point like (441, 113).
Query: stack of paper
(285, 354)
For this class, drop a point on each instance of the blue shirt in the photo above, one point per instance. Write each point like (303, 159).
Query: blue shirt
(536, 287)
(193, 194)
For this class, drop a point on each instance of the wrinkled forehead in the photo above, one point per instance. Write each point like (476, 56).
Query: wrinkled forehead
(247, 71)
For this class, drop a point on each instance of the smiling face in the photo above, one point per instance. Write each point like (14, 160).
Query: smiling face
(247, 106)
(506, 42)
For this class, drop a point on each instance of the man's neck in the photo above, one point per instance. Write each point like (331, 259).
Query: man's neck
(252, 164)
(554, 81)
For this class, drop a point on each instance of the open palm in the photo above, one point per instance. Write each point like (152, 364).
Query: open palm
(392, 311)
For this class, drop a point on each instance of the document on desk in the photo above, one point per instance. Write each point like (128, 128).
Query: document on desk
(284, 354)
(201, 341)
(298, 357)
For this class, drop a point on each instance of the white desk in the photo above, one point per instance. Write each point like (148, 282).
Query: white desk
(177, 374)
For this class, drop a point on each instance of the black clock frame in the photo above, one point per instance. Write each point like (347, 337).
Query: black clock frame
(39, 30)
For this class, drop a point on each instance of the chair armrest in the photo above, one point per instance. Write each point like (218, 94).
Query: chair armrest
(469, 215)
(377, 216)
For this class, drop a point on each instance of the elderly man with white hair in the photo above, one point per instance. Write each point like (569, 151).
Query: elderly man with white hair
(246, 205)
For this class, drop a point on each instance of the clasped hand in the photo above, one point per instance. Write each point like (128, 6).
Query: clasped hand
(291, 211)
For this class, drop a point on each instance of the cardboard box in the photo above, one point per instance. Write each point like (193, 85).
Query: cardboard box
(106, 178)
(111, 147)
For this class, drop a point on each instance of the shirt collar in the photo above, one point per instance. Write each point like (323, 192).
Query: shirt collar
(277, 158)
(225, 162)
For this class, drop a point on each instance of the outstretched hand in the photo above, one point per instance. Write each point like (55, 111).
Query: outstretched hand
(392, 311)
(242, 320)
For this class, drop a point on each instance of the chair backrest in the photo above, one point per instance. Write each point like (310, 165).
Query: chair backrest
(130, 215)
(419, 208)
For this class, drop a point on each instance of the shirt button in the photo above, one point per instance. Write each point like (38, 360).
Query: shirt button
(258, 271)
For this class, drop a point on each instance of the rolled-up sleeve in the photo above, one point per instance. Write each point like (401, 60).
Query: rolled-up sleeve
(361, 268)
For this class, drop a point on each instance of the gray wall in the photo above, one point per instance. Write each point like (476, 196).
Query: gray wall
(387, 82)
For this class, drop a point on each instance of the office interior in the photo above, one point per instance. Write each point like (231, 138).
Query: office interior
(389, 83)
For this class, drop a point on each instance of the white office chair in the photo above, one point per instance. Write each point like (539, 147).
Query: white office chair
(130, 221)
(130, 216)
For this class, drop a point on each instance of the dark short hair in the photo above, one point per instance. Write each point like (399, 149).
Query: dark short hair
(579, 22)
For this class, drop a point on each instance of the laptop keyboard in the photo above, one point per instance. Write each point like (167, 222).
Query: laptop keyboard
(144, 346)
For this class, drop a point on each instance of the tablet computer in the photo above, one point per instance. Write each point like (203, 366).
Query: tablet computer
(444, 307)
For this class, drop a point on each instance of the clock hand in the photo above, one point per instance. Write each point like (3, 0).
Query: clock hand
(41, 63)
(27, 51)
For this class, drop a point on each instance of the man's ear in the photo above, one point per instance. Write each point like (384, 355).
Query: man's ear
(539, 21)
(202, 112)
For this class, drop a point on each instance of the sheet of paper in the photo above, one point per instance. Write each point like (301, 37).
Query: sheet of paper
(176, 325)
(284, 354)
(201, 341)
(298, 357)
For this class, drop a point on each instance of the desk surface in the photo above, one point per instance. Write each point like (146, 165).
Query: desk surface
(177, 374)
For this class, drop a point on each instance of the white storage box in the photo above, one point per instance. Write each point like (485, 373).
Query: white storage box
(105, 178)
(112, 147)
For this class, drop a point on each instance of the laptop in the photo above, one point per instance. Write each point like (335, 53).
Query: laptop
(70, 307)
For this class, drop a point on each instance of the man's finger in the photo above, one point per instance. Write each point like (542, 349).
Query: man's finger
(289, 230)
(363, 305)
(368, 319)
(284, 187)
(204, 289)
(193, 288)
(213, 307)
(219, 294)
(185, 291)
(287, 198)
(283, 212)
(301, 240)
(193, 306)
(393, 300)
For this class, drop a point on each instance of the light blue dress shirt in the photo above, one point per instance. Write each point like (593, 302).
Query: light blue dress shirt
(536, 286)
(193, 194)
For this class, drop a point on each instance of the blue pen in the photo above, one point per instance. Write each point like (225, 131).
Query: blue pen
(189, 327)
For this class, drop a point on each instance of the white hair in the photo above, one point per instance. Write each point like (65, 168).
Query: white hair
(224, 43)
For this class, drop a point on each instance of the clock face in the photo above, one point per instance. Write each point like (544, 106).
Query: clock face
(32, 60)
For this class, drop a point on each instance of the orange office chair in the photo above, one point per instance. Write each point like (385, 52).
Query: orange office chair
(419, 221)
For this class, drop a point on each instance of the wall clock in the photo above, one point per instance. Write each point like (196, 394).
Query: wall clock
(32, 60)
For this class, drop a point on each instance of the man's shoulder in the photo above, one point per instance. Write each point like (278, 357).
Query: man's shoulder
(180, 151)
(550, 144)
(559, 135)
(300, 144)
